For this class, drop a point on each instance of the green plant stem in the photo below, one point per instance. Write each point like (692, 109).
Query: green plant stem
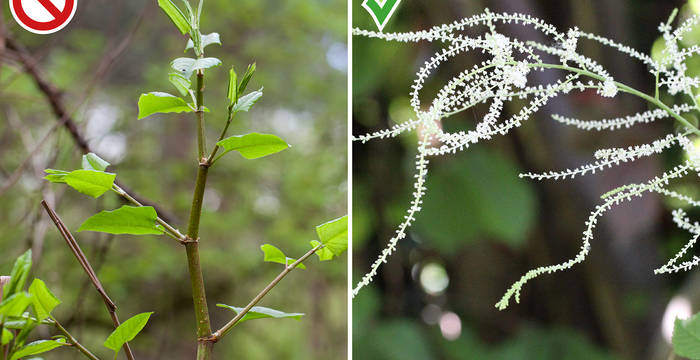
(169, 229)
(201, 137)
(226, 328)
(192, 241)
(229, 119)
(74, 342)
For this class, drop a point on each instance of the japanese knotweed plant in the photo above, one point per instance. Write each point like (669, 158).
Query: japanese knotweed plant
(503, 78)
(93, 179)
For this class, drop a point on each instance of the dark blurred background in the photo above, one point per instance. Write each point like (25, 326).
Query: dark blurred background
(482, 227)
(111, 53)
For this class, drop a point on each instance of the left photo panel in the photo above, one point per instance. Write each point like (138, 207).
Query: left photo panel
(173, 179)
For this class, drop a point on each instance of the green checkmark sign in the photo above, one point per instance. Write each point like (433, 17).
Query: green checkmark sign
(381, 11)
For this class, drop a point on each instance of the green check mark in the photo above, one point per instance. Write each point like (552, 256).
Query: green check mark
(381, 10)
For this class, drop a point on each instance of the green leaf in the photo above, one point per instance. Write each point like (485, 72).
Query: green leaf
(56, 176)
(334, 237)
(253, 145)
(43, 299)
(127, 331)
(16, 304)
(686, 337)
(133, 220)
(244, 103)
(187, 66)
(246, 78)
(207, 40)
(90, 182)
(181, 83)
(6, 337)
(275, 255)
(94, 162)
(19, 273)
(160, 102)
(324, 254)
(37, 347)
(259, 312)
(21, 337)
(175, 15)
(232, 93)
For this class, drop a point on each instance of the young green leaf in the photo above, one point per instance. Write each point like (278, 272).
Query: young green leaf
(16, 304)
(334, 237)
(246, 78)
(181, 83)
(324, 254)
(37, 347)
(253, 145)
(6, 337)
(43, 299)
(187, 66)
(275, 255)
(207, 40)
(21, 337)
(19, 274)
(90, 182)
(133, 220)
(245, 102)
(259, 312)
(56, 176)
(232, 87)
(160, 102)
(93, 162)
(127, 331)
(176, 16)
(686, 337)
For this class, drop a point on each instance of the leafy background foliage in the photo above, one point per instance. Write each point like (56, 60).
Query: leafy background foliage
(299, 47)
(481, 226)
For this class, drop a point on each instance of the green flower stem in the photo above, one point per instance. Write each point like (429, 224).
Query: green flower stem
(169, 230)
(226, 328)
(73, 341)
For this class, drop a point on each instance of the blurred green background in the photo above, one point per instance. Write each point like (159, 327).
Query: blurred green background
(482, 227)
(301, 53)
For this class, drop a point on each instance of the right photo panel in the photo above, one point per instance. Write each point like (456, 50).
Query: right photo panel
(525, 179)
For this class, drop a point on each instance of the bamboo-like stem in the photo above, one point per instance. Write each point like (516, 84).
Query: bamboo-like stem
(201, 137)
(73, 341)
(85, 264)
(226, 328)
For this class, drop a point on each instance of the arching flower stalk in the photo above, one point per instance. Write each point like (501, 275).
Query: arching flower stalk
(505, 76)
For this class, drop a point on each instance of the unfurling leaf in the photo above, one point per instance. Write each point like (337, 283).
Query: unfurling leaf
(90, 182)
(246, 78)
(132, 220)
(43, 299)
(686, 337)
(93, 162)
(273, 254)
(333, 235)
(187, 66)
(127, 331)
(232, 93)
(160, 102)
(181, 83)
(253, 145)
(259, 312)
(56, 176)
(207, 40)
(176, 16)
(6, 337)
(19, 274)
(244, 103)
(37, 347)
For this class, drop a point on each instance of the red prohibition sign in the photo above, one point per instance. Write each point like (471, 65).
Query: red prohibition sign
(26, 14)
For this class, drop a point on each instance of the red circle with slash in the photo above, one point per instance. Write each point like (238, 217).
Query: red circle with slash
(30, 13)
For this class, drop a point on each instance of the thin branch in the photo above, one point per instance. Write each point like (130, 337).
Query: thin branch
(226, 328)
(169, 229)
(74, 342)
(75, 248)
